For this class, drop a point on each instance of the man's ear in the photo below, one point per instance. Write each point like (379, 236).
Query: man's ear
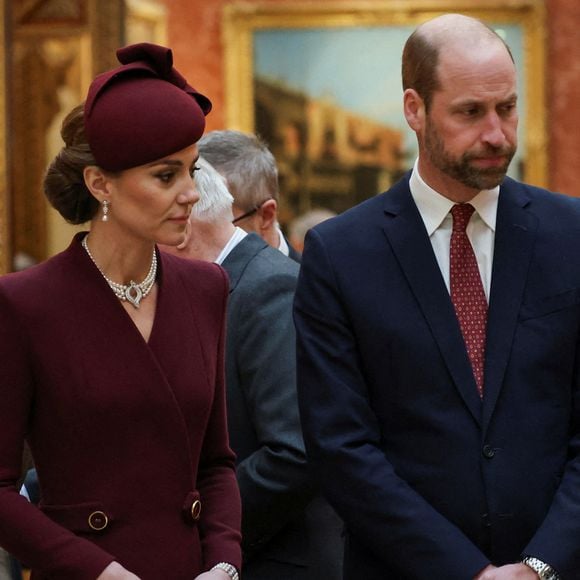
(97, 182)
(414, 109)
(267, 214)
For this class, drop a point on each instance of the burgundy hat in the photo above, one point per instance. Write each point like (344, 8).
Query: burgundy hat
(142, 110)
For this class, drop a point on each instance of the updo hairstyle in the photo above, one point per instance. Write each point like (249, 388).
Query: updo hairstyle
(134, 114)
(64, 183)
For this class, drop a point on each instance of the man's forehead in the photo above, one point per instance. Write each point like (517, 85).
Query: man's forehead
(467, 65)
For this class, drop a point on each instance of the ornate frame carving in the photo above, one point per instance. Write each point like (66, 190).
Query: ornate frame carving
(52, 47)
(4, 222)
(145, 20)
(242, 19)
(90, 30)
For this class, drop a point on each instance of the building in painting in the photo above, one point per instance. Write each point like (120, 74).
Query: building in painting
(327, 156)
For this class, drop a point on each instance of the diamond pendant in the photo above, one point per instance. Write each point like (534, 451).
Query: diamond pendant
(133, 294)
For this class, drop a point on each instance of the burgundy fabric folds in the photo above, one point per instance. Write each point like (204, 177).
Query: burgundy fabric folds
(142, 110)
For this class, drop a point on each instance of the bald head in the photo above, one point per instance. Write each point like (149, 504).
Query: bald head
(450, 28)
(455, 33)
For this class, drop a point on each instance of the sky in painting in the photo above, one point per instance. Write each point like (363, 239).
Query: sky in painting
(358, 68)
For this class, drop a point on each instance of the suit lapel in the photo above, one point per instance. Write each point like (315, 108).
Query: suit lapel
(411, 245)
(514, 239)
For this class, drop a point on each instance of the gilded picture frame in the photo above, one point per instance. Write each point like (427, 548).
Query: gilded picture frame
(4, 223)
(253, 32)
(58, 48)
(145, 21)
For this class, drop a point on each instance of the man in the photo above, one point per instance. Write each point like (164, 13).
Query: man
(300, 225)
(287, 532)
(449, 455)
(252, 178)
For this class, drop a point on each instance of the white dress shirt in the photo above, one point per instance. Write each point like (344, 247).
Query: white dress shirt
(238, 235)
(282, 243)
(435, 212)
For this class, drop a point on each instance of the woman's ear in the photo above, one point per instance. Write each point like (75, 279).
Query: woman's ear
(97, 182)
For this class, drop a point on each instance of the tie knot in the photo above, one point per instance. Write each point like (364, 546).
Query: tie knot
(461, 213)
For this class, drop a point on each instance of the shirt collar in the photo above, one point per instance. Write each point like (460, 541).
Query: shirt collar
(282, 243)
(434, 207)
(238, 235)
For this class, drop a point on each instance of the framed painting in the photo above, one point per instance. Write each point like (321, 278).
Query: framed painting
(321, 84)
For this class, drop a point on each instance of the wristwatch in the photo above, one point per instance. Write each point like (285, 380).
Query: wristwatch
(544, 571)
(229, 569)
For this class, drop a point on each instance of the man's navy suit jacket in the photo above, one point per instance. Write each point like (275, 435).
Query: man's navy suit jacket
(433, 482)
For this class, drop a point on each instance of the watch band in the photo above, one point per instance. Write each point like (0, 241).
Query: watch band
(544, 571)
(229, 569)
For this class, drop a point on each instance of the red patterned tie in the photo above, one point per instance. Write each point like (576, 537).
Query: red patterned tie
(467, 292)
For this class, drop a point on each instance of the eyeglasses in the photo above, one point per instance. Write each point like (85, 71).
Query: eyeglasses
(251, 212)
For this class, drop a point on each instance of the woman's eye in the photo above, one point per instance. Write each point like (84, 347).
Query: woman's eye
(193, 170)
(166, 176)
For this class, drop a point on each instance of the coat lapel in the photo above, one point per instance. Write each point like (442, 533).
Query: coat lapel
(137, 376)
(411, 245)
(514, 240)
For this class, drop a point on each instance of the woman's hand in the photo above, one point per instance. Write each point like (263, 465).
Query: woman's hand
(213, 575)
(114, 571)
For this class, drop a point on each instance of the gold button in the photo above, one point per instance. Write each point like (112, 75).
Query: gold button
(98, 521)
(195, 510)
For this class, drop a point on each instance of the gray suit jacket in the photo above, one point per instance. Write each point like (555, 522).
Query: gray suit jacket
(287, 532)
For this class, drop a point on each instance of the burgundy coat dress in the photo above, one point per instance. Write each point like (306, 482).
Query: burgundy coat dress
(129, 437)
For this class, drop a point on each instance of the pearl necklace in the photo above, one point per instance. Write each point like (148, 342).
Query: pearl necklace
(131, 292)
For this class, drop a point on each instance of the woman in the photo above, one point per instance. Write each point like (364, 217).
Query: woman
(112, 354)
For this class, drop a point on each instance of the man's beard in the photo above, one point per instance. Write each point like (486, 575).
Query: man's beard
(461, 169)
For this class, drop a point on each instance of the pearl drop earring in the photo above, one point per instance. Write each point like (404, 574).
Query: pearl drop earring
(105, 217)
